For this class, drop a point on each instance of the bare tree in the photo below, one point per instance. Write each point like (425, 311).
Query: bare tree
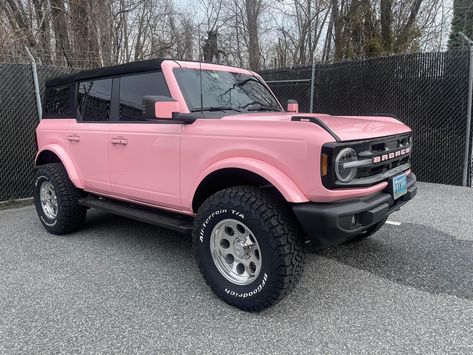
(361, 28)
(19, 21)
(248, 33)
(215, 19)
(300, 24)
(253, 12)
(386, 23)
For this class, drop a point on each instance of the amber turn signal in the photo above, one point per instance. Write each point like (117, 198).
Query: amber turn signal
(324, 164)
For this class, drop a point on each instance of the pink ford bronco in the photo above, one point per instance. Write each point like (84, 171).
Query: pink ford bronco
(207, 149)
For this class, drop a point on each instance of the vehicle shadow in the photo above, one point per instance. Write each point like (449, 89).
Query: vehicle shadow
(100, 221)
(414, 255)
(411, 254)
(138, 240)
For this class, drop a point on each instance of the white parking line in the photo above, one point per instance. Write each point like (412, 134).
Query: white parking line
(393, 223)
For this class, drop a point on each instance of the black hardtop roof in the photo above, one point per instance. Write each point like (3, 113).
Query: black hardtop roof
(127, 68)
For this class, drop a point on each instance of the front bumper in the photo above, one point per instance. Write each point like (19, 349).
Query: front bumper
(331, 224)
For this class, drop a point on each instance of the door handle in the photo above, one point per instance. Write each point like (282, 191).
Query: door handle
(119, 140)
(73, 138)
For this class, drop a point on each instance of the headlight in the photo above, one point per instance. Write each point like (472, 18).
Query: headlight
(344, 173)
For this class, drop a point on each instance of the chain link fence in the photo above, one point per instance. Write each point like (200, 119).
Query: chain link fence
(18, 120)
(428, 92)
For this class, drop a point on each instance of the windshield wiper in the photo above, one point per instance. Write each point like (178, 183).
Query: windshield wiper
(215, 108)
(263, 108)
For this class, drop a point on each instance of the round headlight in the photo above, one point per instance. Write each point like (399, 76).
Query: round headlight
(345, 156)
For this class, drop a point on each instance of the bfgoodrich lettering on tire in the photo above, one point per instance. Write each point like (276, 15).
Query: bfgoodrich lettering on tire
(248, 247)
(56, 198)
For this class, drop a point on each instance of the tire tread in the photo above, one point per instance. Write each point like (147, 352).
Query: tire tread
(72, 215)
(286, 241)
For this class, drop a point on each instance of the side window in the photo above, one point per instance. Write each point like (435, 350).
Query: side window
(94, 100)
(132, 90)
(58, 102)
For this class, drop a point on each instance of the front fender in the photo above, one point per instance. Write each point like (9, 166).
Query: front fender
(65, 160)
(275, 176)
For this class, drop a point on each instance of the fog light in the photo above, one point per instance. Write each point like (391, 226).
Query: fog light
(349, 222)
(354, 220)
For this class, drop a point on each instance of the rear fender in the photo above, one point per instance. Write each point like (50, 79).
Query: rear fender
(65, 160)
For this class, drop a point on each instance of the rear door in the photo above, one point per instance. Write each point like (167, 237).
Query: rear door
(89, 138)
(144, 154)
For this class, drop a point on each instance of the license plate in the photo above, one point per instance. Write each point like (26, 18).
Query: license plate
(399, 186)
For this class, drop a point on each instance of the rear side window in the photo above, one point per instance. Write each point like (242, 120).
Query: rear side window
(58, 102)
(132, 90)
(94, 100)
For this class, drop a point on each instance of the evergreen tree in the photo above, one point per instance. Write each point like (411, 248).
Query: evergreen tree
(462, 22)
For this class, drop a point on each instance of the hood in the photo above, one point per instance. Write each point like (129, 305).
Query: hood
(347, 128)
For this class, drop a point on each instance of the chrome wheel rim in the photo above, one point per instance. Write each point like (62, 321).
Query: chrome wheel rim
(48, 199)
(235, 251)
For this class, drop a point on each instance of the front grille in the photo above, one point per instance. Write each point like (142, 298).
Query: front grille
(381, 168)
(380, 148)
(390, 144)
(382, 158)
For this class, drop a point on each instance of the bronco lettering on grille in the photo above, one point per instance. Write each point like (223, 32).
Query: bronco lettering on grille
(391, 155)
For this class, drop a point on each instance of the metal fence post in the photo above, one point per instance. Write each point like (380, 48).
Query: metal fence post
(467, 162)
(312, 84)
(39, 107)
(468, 122)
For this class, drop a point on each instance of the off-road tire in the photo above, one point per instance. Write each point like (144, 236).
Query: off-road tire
(277, 233)
(369, 232)
(70, 215)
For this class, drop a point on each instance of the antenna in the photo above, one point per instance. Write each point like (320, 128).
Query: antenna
(200, 77)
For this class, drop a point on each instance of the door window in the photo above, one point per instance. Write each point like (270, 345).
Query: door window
(94, 100)
(58, 102)
(132, 90)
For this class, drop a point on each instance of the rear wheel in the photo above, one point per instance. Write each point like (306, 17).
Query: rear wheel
(55, 198)
(248, 247)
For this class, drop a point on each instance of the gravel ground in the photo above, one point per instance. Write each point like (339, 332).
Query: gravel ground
(120, 286)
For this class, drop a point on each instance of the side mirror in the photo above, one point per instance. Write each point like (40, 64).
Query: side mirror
(162, 107)
(292, 106)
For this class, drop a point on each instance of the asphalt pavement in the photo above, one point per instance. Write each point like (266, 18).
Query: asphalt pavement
(120, 286)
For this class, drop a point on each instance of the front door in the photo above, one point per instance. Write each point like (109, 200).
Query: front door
(144, 162)
(144, 154)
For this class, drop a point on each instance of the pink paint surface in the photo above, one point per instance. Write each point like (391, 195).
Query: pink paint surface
(293, 107)
(163, 164)
(165, 109)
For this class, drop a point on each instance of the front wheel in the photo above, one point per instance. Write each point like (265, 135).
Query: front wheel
(248, 247)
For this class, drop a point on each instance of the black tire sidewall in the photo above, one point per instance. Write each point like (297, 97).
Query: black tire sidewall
(223, 287)
(42, 175)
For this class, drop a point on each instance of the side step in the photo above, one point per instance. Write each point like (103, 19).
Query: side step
(161, 218)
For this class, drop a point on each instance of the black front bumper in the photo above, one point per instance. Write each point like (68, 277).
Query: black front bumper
(329, 224)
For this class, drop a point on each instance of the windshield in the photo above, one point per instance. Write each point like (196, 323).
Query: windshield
(223, 90)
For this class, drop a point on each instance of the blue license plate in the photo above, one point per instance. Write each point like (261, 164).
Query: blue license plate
(399, 186)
